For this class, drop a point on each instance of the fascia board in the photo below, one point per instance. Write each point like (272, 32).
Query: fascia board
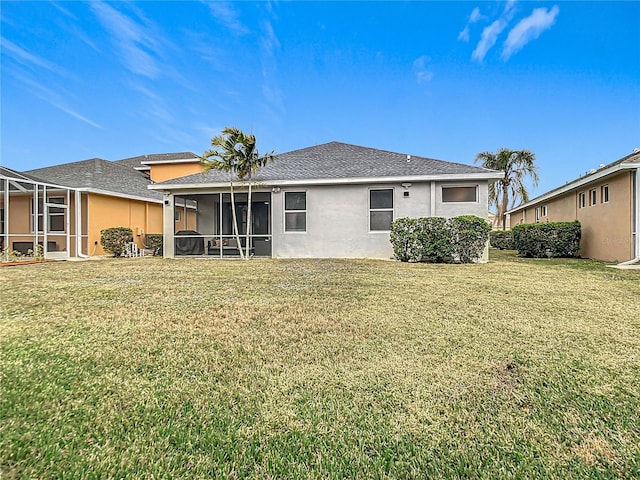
(577, 184)
(168, 162)
(336, 181)
(118, 195)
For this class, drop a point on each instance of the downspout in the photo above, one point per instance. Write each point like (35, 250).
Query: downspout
(635, 194)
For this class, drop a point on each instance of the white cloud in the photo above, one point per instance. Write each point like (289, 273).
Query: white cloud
(137, 45)
(228, 16)
(473, 18)
(464, 34)
(269, 45)
(490, 34)
(488, 39)
(22, 56)
(421, 70)
(53, 98)
(529, 29)
(476, 15)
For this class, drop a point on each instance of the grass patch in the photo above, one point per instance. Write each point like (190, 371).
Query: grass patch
(320, 369)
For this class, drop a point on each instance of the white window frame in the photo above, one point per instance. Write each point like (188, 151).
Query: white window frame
(537, 214)
(582, 199)
(458, 185)
(392, 209)
(543, 211)
(593, 197)
(47, 204)
(285, 211)
(604, 193)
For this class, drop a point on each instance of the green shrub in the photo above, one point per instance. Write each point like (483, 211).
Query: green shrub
(154, 241)
(551, 239)
(438, 240)
(501, 239)
(404, 239)
(470, 235)
(114, 240)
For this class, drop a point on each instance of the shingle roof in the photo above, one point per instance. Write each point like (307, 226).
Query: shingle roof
(98, 174)
(7, 172)
(337, 160)
(633, 158)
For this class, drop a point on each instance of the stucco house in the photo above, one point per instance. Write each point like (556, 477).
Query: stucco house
(65, 207)
(330, 200)
(606, 201)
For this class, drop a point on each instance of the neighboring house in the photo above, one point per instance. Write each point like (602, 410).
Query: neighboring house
(605, 201)
(330, 200)
(74, 202)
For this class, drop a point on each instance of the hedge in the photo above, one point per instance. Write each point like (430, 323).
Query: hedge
(501, 239)
(114, 240)
(154, 241)
(439, 240)
(551, 239)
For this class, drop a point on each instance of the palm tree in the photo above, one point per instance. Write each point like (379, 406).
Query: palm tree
(235, 152)
(516, 165)
(248, 164)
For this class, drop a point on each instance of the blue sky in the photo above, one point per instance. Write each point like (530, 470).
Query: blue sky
(438, 79)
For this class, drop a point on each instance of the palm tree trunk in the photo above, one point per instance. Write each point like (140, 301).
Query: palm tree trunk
(249, 219)
(503, 208)
(235, 221)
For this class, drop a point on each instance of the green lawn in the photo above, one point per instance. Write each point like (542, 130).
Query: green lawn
(152, 368)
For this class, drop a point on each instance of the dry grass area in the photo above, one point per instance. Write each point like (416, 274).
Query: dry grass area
(152, 368)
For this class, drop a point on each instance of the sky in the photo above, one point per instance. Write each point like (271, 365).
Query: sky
(444, 80)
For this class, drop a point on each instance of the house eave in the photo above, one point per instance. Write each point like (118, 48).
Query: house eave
(108, 193)
(484, 176)
(576, 184)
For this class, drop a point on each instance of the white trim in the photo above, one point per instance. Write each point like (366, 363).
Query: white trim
(576, 184)
(393, 207)
(335, 181)
(165, 162)
(116, 194)
(285, 211)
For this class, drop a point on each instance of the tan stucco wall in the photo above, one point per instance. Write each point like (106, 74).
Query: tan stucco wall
(106, 212)
(168, 171)
(20, 227)
(606, 227)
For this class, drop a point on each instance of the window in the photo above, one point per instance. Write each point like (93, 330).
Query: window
(543, 210)
(604, 194)
(592, 196)
(537, 214)
(176, 215)
(459, 194)
(295, 211)
(380, 210)
(56, 214)
(582, 200)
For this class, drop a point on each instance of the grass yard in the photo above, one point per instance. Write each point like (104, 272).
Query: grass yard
(152, 368)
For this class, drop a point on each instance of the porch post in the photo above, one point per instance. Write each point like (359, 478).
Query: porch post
(168, 225)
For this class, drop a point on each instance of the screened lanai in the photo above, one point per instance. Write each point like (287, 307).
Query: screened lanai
(37, 213)
(204, 224)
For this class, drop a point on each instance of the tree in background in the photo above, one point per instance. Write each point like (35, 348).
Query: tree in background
(517, 165)
(235, 152)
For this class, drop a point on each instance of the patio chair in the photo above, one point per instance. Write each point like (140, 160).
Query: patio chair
(132, 250)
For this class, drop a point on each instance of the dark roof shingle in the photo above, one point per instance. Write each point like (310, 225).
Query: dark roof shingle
(98, 174)
(337, 160)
